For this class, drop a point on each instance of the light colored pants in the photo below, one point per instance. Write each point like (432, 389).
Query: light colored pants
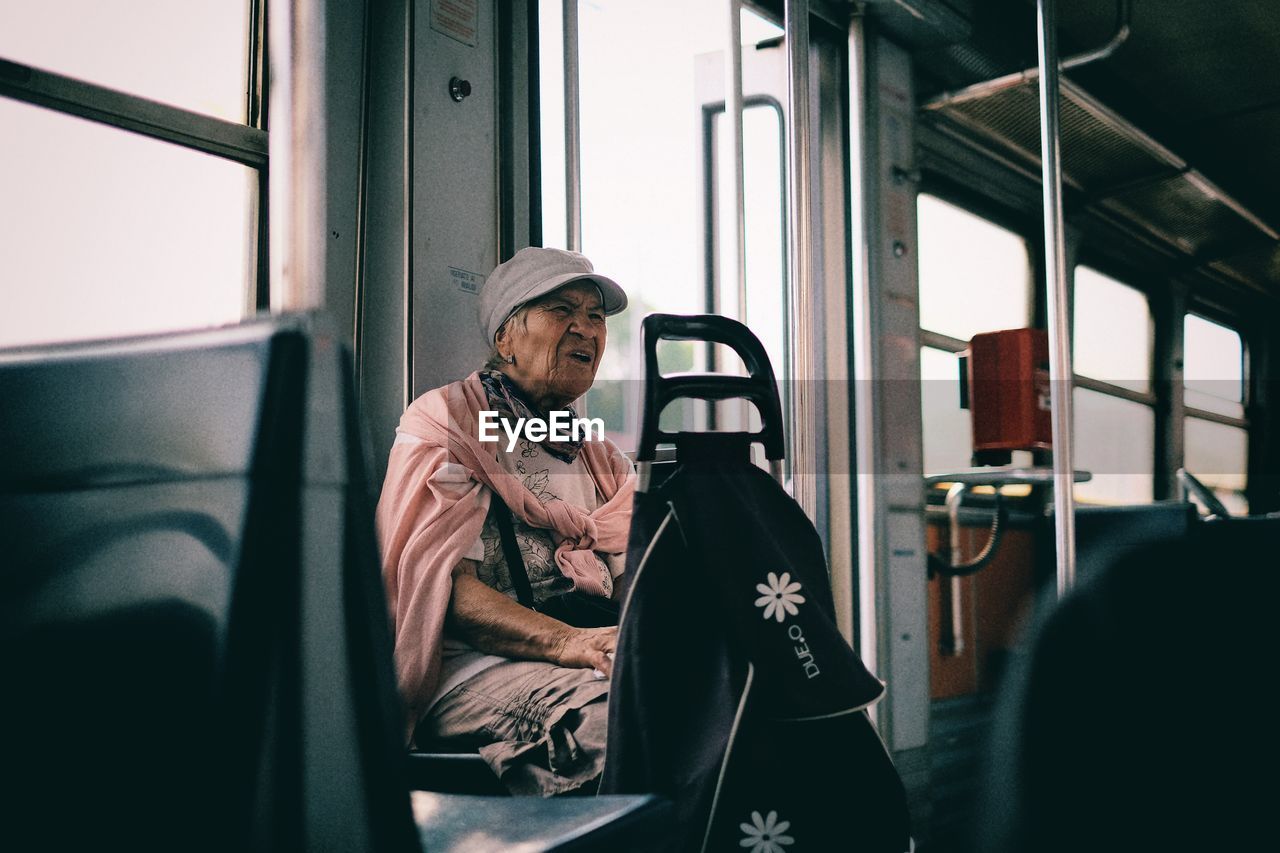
(540, 727)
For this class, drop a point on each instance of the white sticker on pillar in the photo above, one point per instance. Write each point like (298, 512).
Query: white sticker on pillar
(457, 19)
(467, 281)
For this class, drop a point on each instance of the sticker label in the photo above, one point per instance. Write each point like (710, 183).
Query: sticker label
(457, 19)
(463, 280)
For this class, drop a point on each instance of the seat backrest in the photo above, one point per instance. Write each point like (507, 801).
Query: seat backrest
(1103, 533)
(188, 639)
(1136, 715)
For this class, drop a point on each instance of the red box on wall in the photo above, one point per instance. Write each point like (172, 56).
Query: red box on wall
(1008, 379)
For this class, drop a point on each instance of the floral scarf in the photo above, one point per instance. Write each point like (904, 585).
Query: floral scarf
(509, 402)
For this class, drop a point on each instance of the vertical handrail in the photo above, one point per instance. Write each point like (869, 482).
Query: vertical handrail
(572, 130)
(1060, 371)
(733, 106)
(733, 114)
(868, 633)
(803, 428)
(955, 496)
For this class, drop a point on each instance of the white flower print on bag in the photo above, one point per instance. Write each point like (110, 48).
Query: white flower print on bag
(780, 597)
(764, 834)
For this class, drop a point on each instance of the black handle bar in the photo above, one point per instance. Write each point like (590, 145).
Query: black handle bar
(759, 387)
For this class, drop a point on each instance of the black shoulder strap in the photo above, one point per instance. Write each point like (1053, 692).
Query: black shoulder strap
(511, 551)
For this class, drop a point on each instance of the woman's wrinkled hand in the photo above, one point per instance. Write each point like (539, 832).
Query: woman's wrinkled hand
(588, 648)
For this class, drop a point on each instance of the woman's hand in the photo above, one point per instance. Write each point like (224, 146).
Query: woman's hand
(494, 623)
(587, 647)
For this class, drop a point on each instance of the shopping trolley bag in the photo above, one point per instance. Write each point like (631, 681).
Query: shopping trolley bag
(733, 691)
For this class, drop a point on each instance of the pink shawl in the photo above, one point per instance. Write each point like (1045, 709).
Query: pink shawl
(433, 506)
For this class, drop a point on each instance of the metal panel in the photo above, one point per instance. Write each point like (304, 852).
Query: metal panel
(892, 584)
(907, 643)
(454, 207)
(297, 178)
(316, 96)
(344, 154)
(382, 352)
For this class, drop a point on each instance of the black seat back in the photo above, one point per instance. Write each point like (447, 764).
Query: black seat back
(187, 580)
(1103, 533)
(1137, 716)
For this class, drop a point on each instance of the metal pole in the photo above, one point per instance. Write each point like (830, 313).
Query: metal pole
(1060, 373)
(803, 432)
(572, 131)
(733, 105)
(955, 496)
(1124, 15)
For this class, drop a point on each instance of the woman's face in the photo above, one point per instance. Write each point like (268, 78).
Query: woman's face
(557, 345)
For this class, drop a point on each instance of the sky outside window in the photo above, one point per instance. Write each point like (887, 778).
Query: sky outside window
(1213, 367)
(104, 232)
(1111, 331)
(192, 54)
(974, 276)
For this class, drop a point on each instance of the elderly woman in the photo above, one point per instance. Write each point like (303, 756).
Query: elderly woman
(477, 668)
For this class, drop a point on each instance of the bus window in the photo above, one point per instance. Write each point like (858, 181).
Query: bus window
(200, 64)
(1115, 441)
(1115, 417)
(766, 309)
(974, 275)
(1111, 331)
(948, 431)
(647, 132)
(1216, 432)
(105, 232)
(1213, 367)
(132, 168)
(639, 182)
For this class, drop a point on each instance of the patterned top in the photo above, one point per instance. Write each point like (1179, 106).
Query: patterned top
(550, 478)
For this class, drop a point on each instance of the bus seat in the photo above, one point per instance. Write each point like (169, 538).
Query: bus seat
(1103, 533)
(1137, 716)
(193, 636)
(452, 772)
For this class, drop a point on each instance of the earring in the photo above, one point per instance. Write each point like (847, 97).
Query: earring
(511, 359)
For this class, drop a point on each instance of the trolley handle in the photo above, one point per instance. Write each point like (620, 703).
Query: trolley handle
(759, 387)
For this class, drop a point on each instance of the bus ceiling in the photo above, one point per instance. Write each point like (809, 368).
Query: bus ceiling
(1144, 120)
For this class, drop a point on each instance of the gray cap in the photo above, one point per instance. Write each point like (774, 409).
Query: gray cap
(534, 272)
